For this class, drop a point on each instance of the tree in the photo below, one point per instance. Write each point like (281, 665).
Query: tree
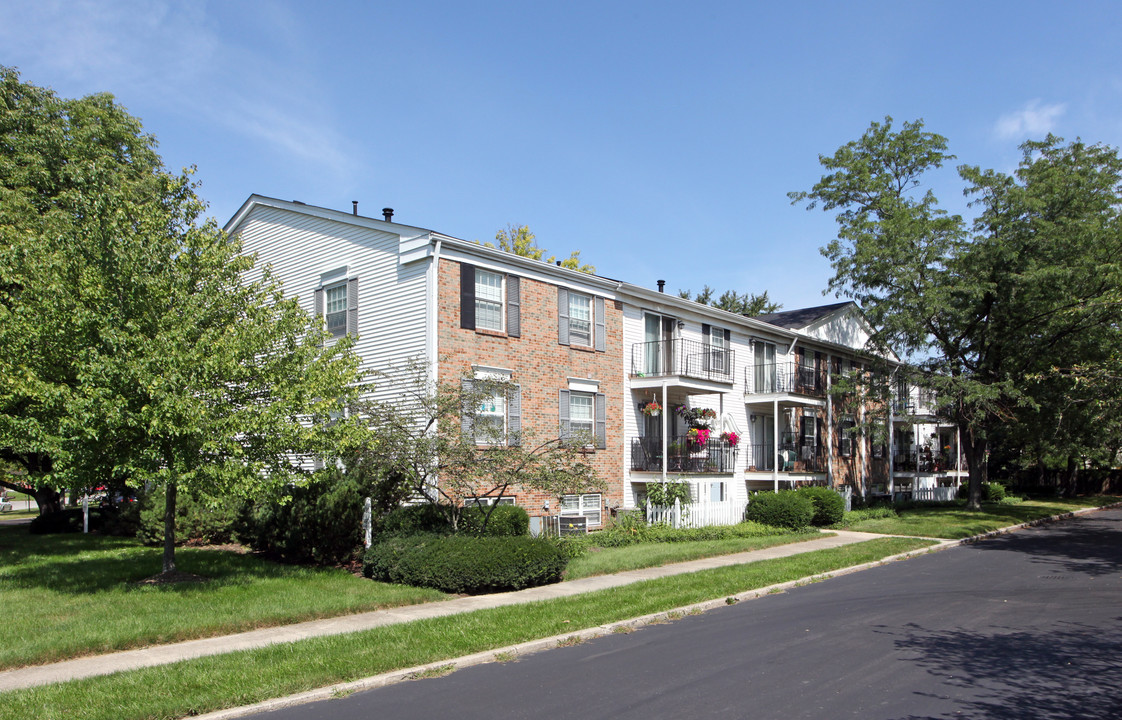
(978, 308)
(434, 439)
(749, 304)
(520, 241)
(140, 346)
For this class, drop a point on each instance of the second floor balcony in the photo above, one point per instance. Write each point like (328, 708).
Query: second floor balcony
(682, 358)
(784, 378)
(788, 457)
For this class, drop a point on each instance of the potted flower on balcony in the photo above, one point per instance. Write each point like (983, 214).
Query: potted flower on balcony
(652, 409)
(698, 436)
(731, 438)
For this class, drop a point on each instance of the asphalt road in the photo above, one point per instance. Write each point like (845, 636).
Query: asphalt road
(1028, 625)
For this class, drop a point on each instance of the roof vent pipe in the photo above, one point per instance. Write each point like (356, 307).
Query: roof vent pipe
(387, 213)
(662, 286)
(354, 207)
(558, 263)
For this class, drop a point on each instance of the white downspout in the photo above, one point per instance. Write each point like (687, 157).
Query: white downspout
(665, 424)
(775, 444)
(434, 320)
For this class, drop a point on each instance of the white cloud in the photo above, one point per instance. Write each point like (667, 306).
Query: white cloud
(1033, 121)
(181, 58)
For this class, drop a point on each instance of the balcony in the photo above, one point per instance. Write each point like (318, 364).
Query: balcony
(790, 458)
(784, 378)
(681, 358)
(683, 456)
(923, 404)
(922, 462)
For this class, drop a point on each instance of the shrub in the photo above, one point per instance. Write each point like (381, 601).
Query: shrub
(663, 494)
(415, 519)
(829, 506)
(785, 509)
(67, 520)
(319, 522)
(196, 521)
(505, 521)
(869, 513)
(465, 564)
(993, 492)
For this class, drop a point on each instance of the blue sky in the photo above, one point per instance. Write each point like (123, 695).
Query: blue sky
(658, 138)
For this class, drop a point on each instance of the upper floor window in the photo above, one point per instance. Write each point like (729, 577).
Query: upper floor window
(488, 300)
(335, 310)
(580, 413)
(580, 319)
(336, 302)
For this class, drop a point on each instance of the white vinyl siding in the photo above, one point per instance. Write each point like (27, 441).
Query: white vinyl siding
(488, 300)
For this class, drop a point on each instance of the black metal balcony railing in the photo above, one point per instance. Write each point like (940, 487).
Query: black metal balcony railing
(687, 358)
(683, 456)
(788, 458)
(925, 462)
(783, 377)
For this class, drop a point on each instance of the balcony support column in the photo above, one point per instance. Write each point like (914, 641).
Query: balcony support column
(775, 445)
(665, 431)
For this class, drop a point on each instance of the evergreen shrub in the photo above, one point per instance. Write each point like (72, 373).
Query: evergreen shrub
(196, 521)
(829, 506)
(785, 509)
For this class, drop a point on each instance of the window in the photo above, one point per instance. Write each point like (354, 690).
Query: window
(490, 420)
(583, 411)
(718, 340)
(580, 413)
(586, 505)
(765, 368)
(717, 492)
(810, 427)
(488, 300)
(580, 320)
(336, 310)
(846, 429)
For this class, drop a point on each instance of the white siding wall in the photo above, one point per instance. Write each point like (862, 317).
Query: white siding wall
(391, 297)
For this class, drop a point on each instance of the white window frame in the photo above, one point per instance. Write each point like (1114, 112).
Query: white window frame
(582, 425)
(718, 349)
(486, 417)
(721, 491)
(846, 436)
(589, 506)
(484, 303)
(340, 311)
(582, 337)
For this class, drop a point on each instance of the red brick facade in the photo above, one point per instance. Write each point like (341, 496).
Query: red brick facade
(542, 366)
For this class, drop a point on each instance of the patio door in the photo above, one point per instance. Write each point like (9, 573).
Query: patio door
(658, 333)
(764, 366)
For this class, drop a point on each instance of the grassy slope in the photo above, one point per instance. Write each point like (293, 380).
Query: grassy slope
(958, 522)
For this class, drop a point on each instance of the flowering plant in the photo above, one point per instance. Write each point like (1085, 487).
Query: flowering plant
(652, 408)
(731, 438)
(698, 435)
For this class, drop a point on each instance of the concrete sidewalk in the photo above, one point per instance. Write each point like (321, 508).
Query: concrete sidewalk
(164, 654)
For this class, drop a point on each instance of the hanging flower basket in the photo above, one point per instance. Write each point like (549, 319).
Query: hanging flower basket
(731, 438)
(652, 409)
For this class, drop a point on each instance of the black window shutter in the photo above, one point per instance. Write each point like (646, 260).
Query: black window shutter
(467, 296)
(563, 414)
(352, 306)
(601, 326)
(467, 413)
(600, 406)
(513, 306)
(705, 333)
(728, 338)
(319, 306)
(562, 316)
(514, 416)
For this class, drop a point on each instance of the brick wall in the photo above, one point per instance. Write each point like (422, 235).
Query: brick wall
(542, 367)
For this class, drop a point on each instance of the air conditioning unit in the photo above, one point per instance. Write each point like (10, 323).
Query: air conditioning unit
(572, 525)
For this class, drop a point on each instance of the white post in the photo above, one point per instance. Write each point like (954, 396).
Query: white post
(677, 513)
(86, 513)
(775, 444)
(367, 523)
(665, 424)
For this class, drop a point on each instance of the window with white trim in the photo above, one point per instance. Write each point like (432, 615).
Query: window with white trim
(335, 309)
(580, 413)
(586, 505)
(717, 492)
(846, 430)
(580, 319)
(490, 419)
(718, 350)
(488, 300)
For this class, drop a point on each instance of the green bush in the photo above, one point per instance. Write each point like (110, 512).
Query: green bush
(415, 519)
(829, 506)
(319, 522)
(869, 513)
(663, 494)
(196, 521)
(505, 521)
(465, 564)
(993, 492)
(68, 520)
(784, 509)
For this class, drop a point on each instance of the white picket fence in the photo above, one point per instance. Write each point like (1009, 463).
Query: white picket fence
(934, 494)
(697, 515)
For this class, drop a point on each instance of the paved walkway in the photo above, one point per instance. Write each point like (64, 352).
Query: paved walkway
(164, 654)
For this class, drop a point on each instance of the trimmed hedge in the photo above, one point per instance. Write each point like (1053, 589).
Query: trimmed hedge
(465, 564)
(785, 509)
(505, 521)
(829, 506)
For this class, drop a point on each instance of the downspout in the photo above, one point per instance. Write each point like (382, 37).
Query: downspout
(665, 427)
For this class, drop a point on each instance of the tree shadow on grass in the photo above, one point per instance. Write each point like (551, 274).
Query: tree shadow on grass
(1068, 672)
(1088, 545)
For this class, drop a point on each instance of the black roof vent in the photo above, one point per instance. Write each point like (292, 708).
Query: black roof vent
(387, 213)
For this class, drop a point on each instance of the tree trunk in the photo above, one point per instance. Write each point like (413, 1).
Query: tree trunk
(169, 528)
(975, 449)
(49, 500)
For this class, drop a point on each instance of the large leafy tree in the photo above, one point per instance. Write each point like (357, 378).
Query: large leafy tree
(983, 309)
(519, 240)
(138, 345)
(750, 304)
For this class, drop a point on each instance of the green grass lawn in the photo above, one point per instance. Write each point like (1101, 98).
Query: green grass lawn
(957, 522)
(205, 684)
(604, 561)
(77, 595)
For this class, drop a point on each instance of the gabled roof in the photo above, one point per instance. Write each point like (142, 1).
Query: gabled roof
(802, 317)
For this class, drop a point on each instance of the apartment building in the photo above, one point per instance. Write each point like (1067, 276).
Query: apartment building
(670, 389)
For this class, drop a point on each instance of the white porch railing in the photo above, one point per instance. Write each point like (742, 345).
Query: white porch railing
(697, 515)
(930, 494)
